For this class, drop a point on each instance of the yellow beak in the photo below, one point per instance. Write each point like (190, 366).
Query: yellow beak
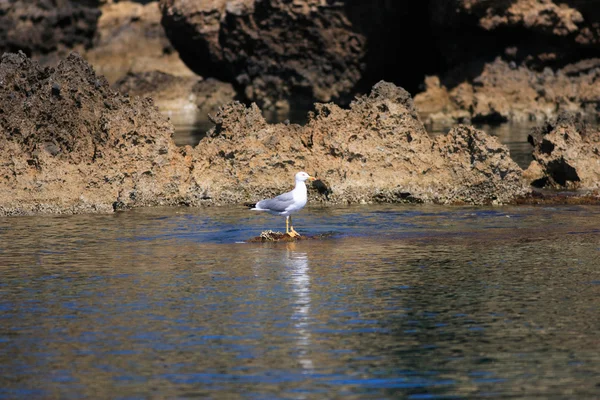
(312, 178)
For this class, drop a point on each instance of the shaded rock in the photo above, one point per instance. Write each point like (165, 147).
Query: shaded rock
(560, 198)
(567, 151)
(182, 98)
(277, 52)
(504, 92)
(378, 151)
(46, 29)
(539, 33)
(130, 39)
(83, 147)
(512, 60)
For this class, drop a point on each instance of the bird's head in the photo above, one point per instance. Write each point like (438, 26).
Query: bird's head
(303, 176)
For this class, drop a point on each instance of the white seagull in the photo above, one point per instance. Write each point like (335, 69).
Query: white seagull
(287, 203)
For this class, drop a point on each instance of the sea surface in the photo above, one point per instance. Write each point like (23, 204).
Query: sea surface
(397, 301)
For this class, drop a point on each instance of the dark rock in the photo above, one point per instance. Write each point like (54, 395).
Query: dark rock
(46, 29)
(276, 52)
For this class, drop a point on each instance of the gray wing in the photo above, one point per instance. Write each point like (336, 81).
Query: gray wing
(277, 204)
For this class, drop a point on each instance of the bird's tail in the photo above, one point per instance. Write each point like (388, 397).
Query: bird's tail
(250, 205)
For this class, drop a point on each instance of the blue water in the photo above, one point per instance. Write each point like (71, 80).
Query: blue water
(416, 302)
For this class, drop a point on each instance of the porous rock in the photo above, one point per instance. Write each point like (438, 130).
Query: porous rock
(566, 154)
(377, 151)
(71, 144)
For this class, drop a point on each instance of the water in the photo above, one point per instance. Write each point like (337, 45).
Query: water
(404, 301)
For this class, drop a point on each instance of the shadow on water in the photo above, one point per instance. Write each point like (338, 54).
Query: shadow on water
(406, 301)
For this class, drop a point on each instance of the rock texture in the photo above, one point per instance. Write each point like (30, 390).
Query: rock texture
(277, 52)
(535, 32)
(46, 29)
(71, 144)
(377, 151)
(504, 92)
(513, 60)
(130, 39)
(566, 154)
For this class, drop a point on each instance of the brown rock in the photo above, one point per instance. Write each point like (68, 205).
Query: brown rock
(184, 99)
(378, 151)
(71, 144)
(505, 92)
(568, 153)
(130, 39)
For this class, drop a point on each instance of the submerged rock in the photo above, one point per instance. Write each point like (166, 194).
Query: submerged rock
(271, 236)
(566, 154)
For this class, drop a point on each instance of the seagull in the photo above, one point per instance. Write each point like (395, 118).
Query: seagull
(287, 203)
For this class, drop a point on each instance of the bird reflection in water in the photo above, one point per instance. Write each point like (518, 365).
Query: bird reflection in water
(299, 279)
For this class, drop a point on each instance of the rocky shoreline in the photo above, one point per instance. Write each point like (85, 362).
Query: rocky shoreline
(74, 141)
(71, 144)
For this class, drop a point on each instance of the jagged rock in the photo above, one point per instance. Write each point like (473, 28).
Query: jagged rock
(567, 152)
(71, 144)
(505, 92)
(378, 151)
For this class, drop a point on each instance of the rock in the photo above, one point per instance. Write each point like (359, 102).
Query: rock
(46, 30)
(72, 144)
(84, 148)
(567, 151)
(271, 236)
(184, 99)
(378, 151)
(538, 32)
(504, 93)
(130, 39)
(277, 52)
(512, 60)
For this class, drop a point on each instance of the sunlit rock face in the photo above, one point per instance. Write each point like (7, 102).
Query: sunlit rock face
(566, 154)
(72, 144)
(376, 151)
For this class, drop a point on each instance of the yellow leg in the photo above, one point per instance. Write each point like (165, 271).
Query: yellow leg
(287, 224)
(292, 231)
